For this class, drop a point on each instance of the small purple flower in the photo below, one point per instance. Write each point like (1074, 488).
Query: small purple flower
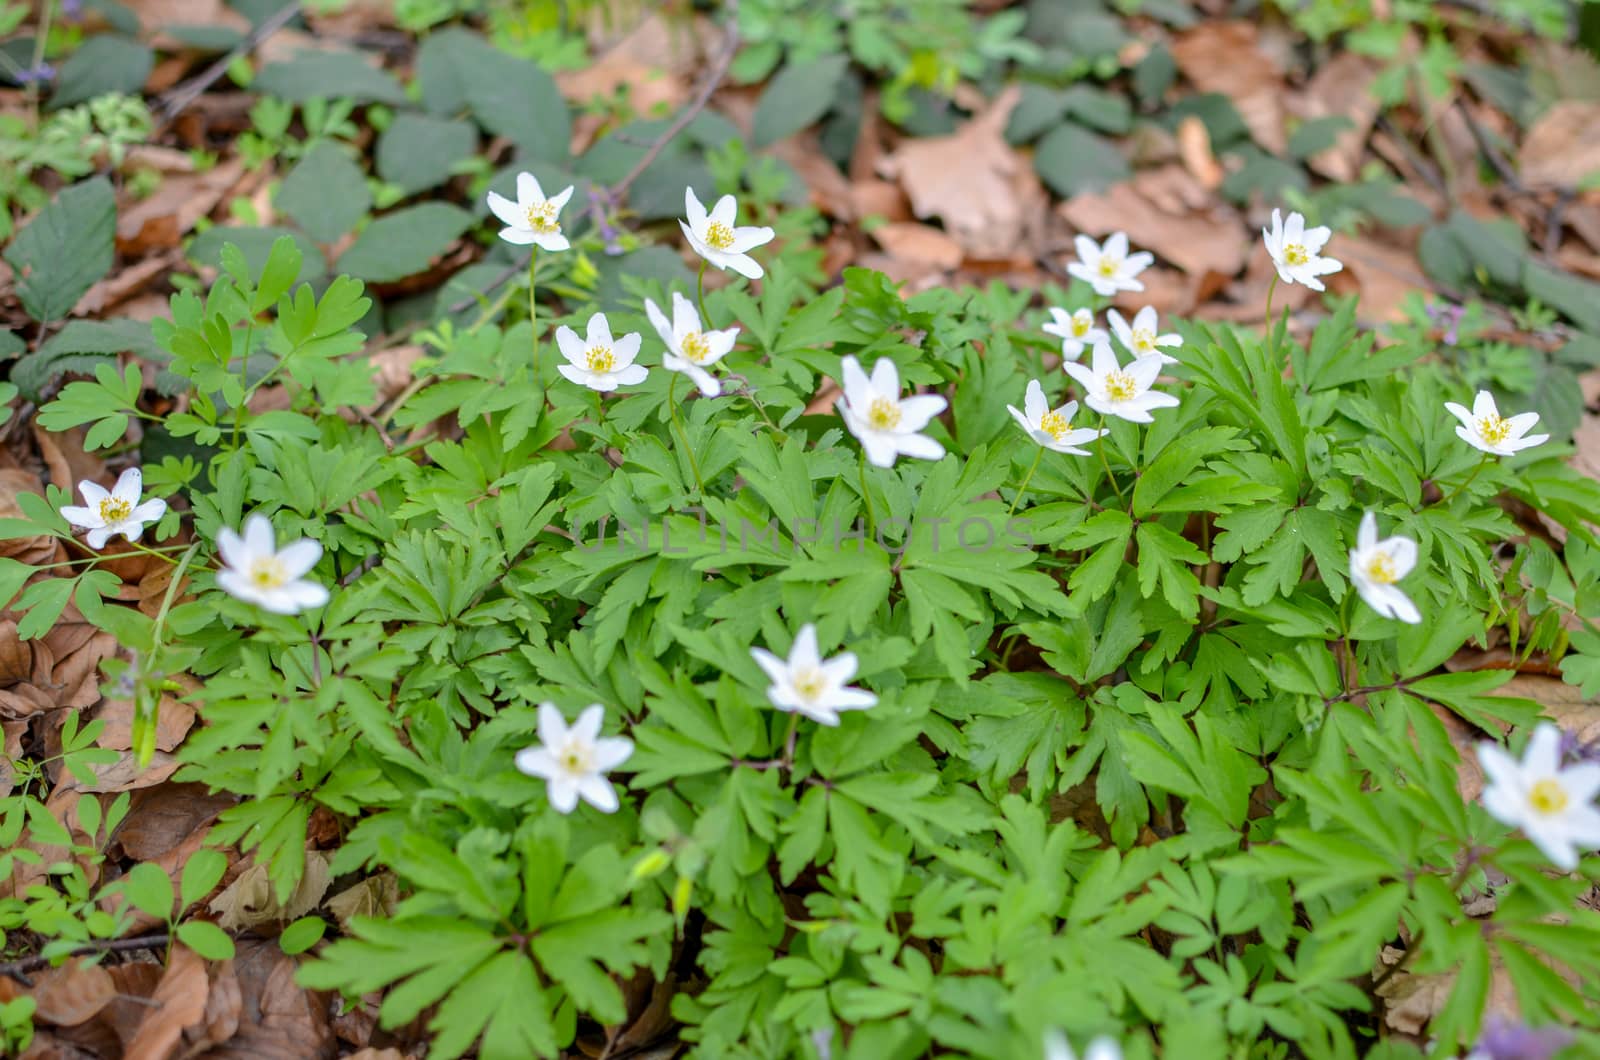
(36, 74)
(71, 10)
(1504, 1040)
(1450, 316)
(600, 209)
(1576, 750)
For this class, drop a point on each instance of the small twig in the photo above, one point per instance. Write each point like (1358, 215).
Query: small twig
(1501, 167)
(1556, 222)
(180, 97)
(713, 79)
(19, 970)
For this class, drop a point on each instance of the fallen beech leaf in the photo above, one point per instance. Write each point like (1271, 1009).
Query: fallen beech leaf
(174, 719)
(34, 551)
(373, 896)
(1341, 87)
(249, 900)
(1194, 147)
(163, 219)
(72, 993)
(1563, 147)
(180, 1003)
(989, 200)
(16, 654)
(920, 245)
(160, 819)
(1226, 57)
(1563, 703)
(278, 1020)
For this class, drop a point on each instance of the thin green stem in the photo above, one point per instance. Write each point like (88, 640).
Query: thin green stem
(39, 43)
(700, 296)
(1271, 289)
(145, 727)
(533, 306)
(1025, 480)
(672, 409)
(1447, 498)
(866, 497)
(1100, 446)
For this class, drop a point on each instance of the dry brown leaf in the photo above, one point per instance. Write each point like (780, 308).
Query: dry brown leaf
(163, 219)
(1194, 147)
(1411, 1001)
(920, 246)
(369, 1053)
(989, 199)
(11, 745)
(1383, 275)
(160, 819)
(174, 719)
(125, 774)
(68, 461)
(1562, 703)
(1227, 57)
(278, 1020)
(180, 1003)
(373, 896)
(1197, 241)
(16, 654)
(250, 899)
(1563, 147)
(72, 994)
(34, 551)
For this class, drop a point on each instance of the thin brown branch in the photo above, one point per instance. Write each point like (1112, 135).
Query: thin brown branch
(19, 969)
(181, 96)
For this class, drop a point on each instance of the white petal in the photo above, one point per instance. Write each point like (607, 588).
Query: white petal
(610, 752)
(692, 209)
(1542, 756)
(536, 762)
(507, 211)
(598, 792)
(803, 654)
(93, 492)
(519, 236)
(298, 557)
(552, 726)
(258, 538)
(131, 483)
(920, 446)
(1033, 401)
(529, 193)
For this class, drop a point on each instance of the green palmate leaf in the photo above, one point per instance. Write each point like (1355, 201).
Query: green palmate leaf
(65, 248)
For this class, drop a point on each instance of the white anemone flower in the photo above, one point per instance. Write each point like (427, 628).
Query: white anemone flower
(115, 512)
(690, 350)
(1113, 389)
(1053, 430)
(1375, 567)
(806, 683)
(886, 424)
(1076, 330)
(256, 571)
(1056, 1047)
(1142, 338)
(598, 361)
(1484, 428)
(1296, 250)
(532, 218)
(574, 761)
(1553, 806)
(1109, 268)
(715, 238)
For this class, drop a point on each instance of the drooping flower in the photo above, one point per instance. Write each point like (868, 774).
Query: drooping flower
(1076, 330)
(1109, 268)
(886, 424)
(1484, 428)
(1053, 430)
(598, 361)
(716, 239)
(1113, 389)
(689, 349)
(116, 512)
(1142, 338)
(806, 683)
(1296, 250)
(574, 761)
(1056, 1047)
(532, 218)
(1554, 806)
(1375, 567)
(258, 572)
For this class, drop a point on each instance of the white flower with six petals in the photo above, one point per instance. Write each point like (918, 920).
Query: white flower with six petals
(532, 218)
(256, 571)
(1109, 268)
(598, 361)
(115, 512)
(1296, 250)
(886, 424)
(806, 683)
(1484, 428)
(573, 761)
(1375, 567)
(689, 349)
(1142, 337)
(1554, 806)
(1053, 430)
(716, 239)
(1113, 389)
(1076, 330)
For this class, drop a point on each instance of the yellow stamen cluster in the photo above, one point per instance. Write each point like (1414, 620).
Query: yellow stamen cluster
(695, 347)
(268, 573)
(809, 684)
(1120, 386)
(1109, 267)
(1144, 339)
(113, 510)
(718, 236)
(1494, 429)
(883, 414)
(600, 359)
(1295, 254)
(1380, 568)
(1548, 797)
(542, 217)
(1054, 424)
